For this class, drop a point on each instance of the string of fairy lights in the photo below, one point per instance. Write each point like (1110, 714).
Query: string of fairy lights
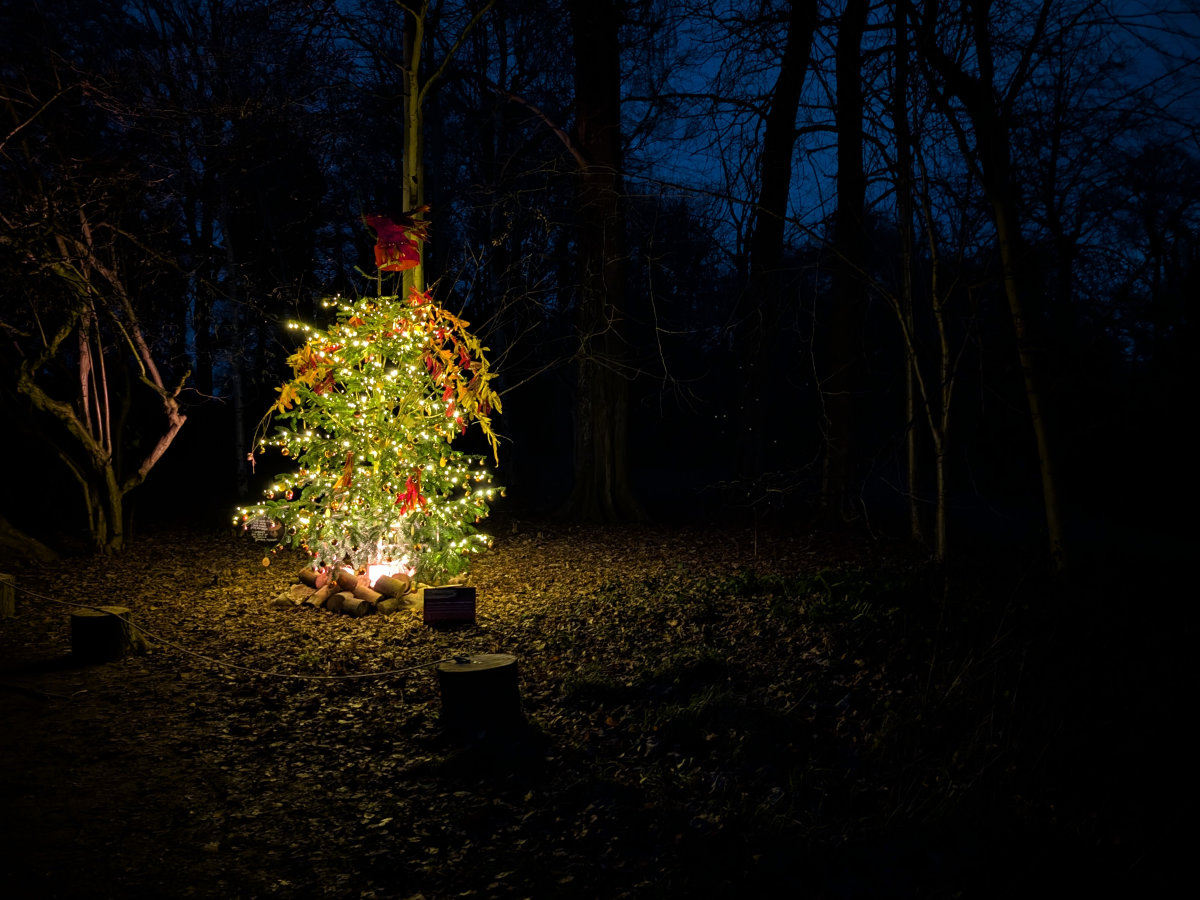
(368, 420)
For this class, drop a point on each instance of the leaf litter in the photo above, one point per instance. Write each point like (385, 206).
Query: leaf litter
(706, 711)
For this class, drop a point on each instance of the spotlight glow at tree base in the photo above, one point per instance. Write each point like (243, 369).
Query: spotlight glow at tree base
(372, 409)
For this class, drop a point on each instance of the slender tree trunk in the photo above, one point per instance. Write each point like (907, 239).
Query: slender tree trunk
(413, 181)
(759, 315)
(843, 382)
(1007, 236)
(204, 285)
(939, 420)
(112, 498)
(601, 489)
(416, 91)
(904, 227)
(927, 400)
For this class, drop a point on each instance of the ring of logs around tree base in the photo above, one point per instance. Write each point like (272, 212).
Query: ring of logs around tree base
(353, 594)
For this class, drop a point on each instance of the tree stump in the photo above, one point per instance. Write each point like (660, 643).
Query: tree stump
(8, 596)
(103, 634)
(480, 694)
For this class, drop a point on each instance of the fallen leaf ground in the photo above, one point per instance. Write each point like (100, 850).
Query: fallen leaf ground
(708, 714)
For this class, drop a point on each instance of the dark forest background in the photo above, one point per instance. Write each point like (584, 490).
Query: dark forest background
(928, 269)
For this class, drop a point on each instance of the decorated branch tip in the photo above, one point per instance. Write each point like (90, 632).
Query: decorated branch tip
(368, 419)
(398, 244)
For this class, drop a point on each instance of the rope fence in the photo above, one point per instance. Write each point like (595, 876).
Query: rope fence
(211, 660)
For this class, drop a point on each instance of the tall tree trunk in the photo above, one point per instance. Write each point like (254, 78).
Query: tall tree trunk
(1029, 354)
(601, 489)
(204, 284)
(417, 21)
(904, 227)
(413, 180)
(761, 302)
(843, 382)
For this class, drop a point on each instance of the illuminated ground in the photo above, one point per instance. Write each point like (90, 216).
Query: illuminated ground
(708, 713)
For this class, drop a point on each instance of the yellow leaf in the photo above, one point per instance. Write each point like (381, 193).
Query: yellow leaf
(287, 396)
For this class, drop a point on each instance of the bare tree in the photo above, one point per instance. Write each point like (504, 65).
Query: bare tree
(979, 104)
(85, 321)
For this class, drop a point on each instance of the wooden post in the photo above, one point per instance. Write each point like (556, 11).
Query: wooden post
(8, 596)
(480, 694)
(103, 634)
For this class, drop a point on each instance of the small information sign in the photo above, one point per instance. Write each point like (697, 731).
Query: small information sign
(262, 528)
(449, 605)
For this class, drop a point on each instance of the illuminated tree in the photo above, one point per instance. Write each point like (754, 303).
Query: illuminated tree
(373, 406)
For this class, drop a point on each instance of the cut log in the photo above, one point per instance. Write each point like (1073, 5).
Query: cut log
(313, 578)
(298, 593)
(364, 592)
(104, 634)
(337, 602)
(480, 694)
(320, 598)
(8, 596)
(346, 580)
(358, 607)
(392, 585)
(389, 605)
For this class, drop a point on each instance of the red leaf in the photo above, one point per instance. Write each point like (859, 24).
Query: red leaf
(396, 246)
